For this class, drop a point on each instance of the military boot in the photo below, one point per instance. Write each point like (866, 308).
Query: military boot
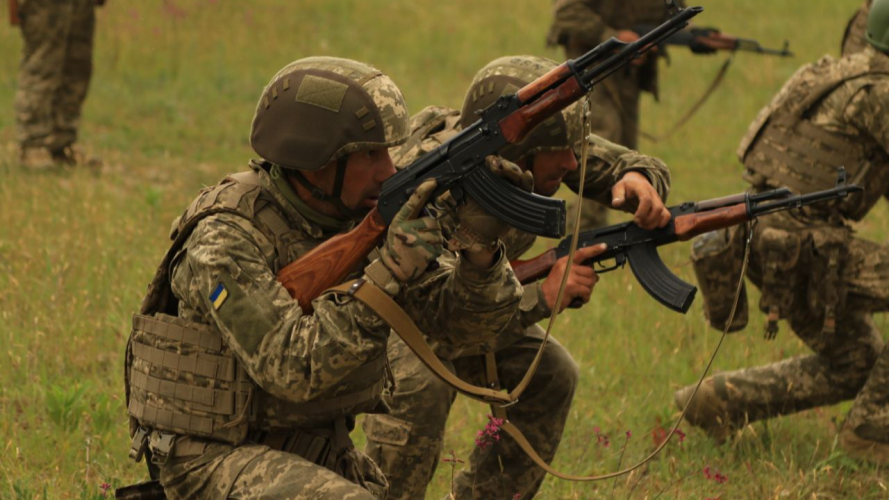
(36, 158)
(707, 410)
(860, 448)
(71, 156)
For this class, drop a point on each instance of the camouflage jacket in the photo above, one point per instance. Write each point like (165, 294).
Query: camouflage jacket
(607, 163)
(587, 23)
(224, 280)
(830, 113)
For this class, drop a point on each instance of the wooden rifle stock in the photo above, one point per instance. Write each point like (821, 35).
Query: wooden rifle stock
(14, 19)
(331, 262)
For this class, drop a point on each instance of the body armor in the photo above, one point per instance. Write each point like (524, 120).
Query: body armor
(785, 146)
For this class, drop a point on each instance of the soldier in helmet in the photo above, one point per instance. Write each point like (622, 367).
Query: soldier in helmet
(811, 269)
(407, 442)
(234, 391)
(579, 26)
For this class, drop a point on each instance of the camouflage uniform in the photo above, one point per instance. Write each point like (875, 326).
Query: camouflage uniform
(811, 269)
(408, 442)
(853, 38)
(232, 389)
(55, 70)
(580, 25)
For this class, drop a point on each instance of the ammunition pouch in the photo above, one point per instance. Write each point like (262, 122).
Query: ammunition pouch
(780, 252)
(717, 258)
(829, 250)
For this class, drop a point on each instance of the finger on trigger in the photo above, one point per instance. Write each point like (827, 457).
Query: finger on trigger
(419, 198)
(586, 253)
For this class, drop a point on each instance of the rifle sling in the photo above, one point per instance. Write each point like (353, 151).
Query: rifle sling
(717, 81)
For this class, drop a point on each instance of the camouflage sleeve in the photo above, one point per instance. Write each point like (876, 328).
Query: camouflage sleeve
(867, 111)
(225, 275)
(608, 162)
(462, 305)
(576, 20)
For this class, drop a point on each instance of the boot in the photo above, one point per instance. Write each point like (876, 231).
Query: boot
(36, 158)
(857, 447)
(707, 411)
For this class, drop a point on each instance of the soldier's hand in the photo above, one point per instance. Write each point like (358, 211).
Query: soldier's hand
(581, 280)
(650, 211)
(412, 242)
(478, 231)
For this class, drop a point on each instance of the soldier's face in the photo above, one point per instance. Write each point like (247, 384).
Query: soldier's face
(549, 168)
(365, 173)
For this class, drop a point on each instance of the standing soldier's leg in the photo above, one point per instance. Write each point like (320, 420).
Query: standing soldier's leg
(502, 470)
(407, 443)
(45, 28)
(75, 79)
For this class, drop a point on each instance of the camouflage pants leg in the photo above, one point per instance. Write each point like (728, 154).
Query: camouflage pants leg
(55, 70)
(255, 472)
(407, 443)
(844, 364)
(503, 470)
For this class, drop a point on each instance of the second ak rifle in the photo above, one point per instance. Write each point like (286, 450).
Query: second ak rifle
(458, 164)
(629, 243)
(710, 40)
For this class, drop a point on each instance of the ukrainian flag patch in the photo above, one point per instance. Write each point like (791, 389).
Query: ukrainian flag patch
(218, 296)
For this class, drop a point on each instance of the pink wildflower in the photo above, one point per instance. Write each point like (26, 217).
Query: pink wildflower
(490, 434)
(629, 434)
(517, 496)
(681, 435)
(105, 487)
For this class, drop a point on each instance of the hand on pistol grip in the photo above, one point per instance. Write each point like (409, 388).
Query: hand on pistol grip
(581, 280)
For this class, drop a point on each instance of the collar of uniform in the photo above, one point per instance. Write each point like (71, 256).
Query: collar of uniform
(315, 224)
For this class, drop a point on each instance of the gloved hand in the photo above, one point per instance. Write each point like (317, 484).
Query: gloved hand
(476, 228)
(412, 243)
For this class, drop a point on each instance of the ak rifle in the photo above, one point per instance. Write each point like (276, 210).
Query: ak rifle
(628, 242)
(710, 40)
(458, 164)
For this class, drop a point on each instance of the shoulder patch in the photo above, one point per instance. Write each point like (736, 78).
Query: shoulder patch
(218, 296)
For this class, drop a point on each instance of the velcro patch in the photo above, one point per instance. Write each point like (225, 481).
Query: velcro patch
(322, 92)
(218, 296)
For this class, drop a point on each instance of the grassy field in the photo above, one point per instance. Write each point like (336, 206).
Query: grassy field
(169, 111)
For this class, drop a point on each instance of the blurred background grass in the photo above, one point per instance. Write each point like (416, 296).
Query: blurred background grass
(169, 111)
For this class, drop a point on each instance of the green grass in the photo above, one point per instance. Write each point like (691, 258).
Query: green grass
(169, 111)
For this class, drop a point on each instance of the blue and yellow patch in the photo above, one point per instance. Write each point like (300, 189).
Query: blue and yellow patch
(218, 296)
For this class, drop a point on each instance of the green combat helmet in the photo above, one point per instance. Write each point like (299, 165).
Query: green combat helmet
(320, 109)
(878, 25)
(507, 75)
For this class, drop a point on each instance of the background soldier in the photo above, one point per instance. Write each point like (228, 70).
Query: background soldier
(231, 388)
(407, 443)
(54, 76)
(579, 26)
(811, 269)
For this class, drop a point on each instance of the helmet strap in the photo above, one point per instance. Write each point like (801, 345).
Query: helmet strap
(335, 197)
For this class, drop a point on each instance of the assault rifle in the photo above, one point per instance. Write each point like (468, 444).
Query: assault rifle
(628, 242)
(458, 164)
(710, 40)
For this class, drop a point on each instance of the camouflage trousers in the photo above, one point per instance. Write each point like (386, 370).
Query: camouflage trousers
(848, 362)
(407, 444)
(55, 71)
(255, 471)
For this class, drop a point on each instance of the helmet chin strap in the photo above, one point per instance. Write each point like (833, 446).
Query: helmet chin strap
(333, 198)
